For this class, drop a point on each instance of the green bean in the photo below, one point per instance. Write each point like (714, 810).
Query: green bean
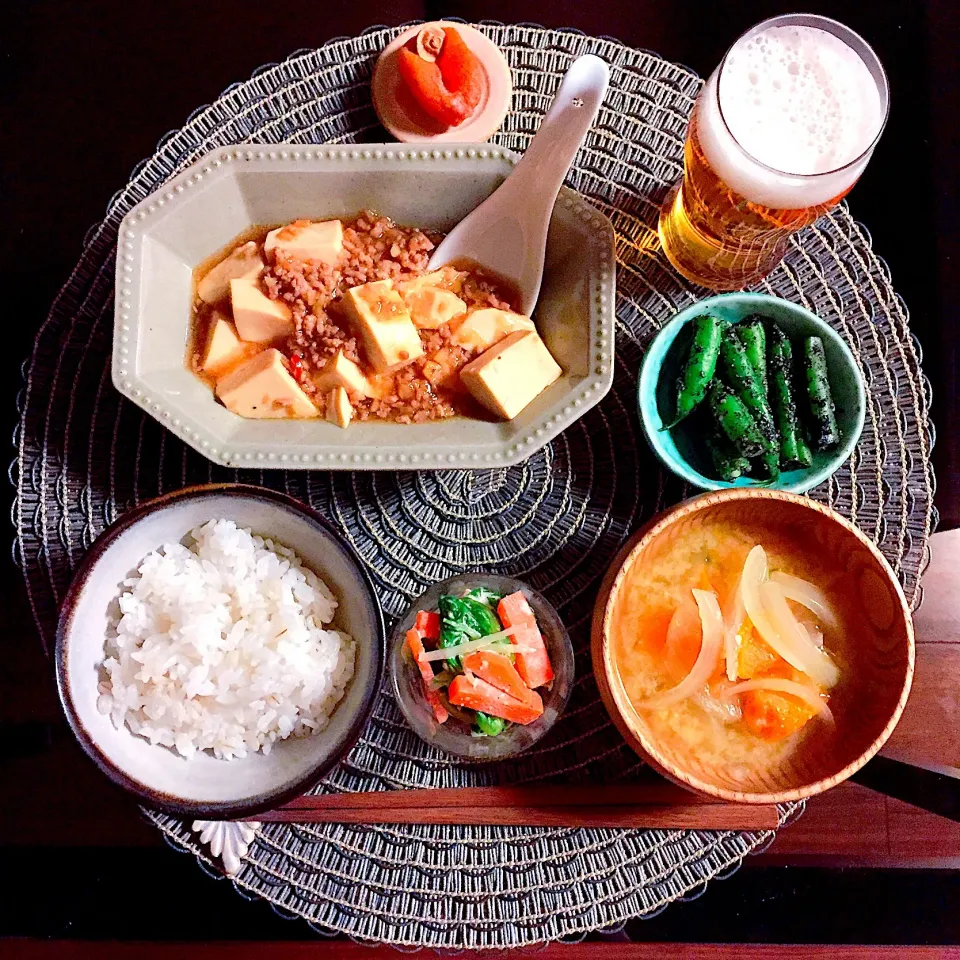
(822, 413)
(699, 368)
(754, 339)
(804, 457)
(727, 462)
(780, 361)
(742, 377)
(489, 726)
(753, 335)
(735, 421)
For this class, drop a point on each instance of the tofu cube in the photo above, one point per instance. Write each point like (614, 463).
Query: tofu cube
(339, 408)
(306, 240)
(389, 337)
(481, 329)
(343, 372)
(258, 318)
(508, 376)
(224, 347)
(432, 307)
(262, 389)
(446, 278)
(244, 263)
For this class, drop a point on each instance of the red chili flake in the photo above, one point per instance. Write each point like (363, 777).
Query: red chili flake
(296, 367)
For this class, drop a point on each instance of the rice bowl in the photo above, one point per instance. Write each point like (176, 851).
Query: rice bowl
(220, 645)
(205, 785)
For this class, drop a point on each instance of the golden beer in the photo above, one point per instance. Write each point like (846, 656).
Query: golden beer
(728, 222)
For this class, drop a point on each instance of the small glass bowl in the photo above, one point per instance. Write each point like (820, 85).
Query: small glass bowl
(454, 736)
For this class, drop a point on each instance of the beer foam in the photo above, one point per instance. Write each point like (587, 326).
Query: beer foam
(798, 100)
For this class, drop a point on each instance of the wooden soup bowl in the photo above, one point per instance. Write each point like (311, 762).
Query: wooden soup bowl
(872, 692)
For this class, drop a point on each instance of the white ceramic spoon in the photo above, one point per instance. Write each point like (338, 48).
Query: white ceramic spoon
(507, 233)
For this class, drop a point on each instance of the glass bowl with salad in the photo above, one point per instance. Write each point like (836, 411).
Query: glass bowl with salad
(482, 666)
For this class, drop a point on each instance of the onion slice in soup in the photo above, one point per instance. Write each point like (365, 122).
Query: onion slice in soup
(711, 644)
(801, 691)
(771, 616)
(813, 661)
(808, 595)
(814, 633)
(732, 623)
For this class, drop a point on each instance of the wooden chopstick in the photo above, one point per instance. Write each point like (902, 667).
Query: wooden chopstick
(636, 805)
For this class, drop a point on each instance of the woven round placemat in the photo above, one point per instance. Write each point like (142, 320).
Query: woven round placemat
(84, 456)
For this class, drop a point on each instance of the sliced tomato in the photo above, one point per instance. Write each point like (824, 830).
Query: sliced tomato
(533, 664)
(424, 81)
(498, 671)
(427, 625)
(461, 68)
(450, 89)
(471, 691)
(415, 643)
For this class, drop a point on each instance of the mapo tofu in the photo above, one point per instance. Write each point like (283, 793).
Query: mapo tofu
(340, 320)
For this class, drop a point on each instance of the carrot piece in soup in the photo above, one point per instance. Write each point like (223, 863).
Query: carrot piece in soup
(684, 638)
(415, 643)
(427, 625)
(470, 691)
(653, 629)
(533, 661)
(713, 577)
(772, 716)
(497, 670)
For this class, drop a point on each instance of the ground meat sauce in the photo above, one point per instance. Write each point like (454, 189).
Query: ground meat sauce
(374, 248)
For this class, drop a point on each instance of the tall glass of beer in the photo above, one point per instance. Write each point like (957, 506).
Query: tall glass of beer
(778, 136)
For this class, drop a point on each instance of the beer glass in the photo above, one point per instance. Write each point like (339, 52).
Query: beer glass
(779, 134)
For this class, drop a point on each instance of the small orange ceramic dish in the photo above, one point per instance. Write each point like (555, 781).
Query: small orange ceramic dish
(442, 82)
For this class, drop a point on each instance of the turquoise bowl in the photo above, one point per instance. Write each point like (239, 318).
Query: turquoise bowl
(665, 356)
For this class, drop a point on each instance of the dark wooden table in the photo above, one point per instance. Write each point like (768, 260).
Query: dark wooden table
(86, 90)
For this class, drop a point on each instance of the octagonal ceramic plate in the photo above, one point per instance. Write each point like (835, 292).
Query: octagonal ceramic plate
(164, 237)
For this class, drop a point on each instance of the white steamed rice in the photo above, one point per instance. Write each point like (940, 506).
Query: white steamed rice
(221, 646)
